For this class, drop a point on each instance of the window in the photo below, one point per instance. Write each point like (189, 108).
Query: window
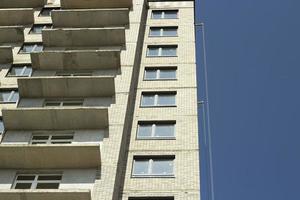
(74, 73)
(164, 14)
(153, 166)
(167, 50)
(31, 47)
(37, 28)
(164, 73)
(20, 70)
(46, 12)
(158, 99)
(9, 96)
(64, 102)
(156, 130)
(37, 181)
(1, 126)
(66, 138)
(163, 31)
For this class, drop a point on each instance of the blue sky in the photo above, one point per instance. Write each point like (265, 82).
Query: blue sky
(253, 61)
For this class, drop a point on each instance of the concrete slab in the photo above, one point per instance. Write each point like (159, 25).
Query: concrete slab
(90, 18)
(76, 60)
(49, 156)
(66, 87)
(55, 118)
(11, 34)
(49, 194)
(22, 3)
(13, 17)
(84, 37)
(68, 4)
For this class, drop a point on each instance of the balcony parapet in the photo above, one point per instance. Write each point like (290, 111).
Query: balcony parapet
(11, 34)
(22, 3)
(76, 60)
(6, 54)
(85, 18)
(69, 4)
(50, 156)
(84, 37)
(66, 87)
(52, 194)
(14, 17)
(55, 118)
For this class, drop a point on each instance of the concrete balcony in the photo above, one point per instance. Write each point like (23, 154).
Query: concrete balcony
(66, 87)
(6, 54)
(85, 18)
(22, 3)
(69, 4)
(55, 118)
(46, 194)
(85, 37)
(50, 156)
(11, 34)
(76, 60)
(14, 17)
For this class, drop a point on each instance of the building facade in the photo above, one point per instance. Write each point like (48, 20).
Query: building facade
(98, 100)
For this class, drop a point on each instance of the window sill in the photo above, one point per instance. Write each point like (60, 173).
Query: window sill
(167, 106)
(161, 56)
(166, 79)
(152, 176)
(156, 138)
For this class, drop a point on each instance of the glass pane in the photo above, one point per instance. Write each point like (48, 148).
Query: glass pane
(27, 48)
(26, 177)
(23, 186)
(50, 104)
(166, 99)
(171, 14)
(154, 31)
(27, 71)
(38, 48)
(145, 130)
(62, 137)
(140, 167)
(47, 186)
(4, 96)
(46, 12)
(40, 137)
(16, 71)
(165, 130)
(150, 73)
(37, 29)
(148, 100)
(39, 142)
(61, 142)
(156, 14)
(162, 167)
(72, 103)
(49, 177)
(168, 51)
(167, 74)
(153, 51)
(1, 127)
(15, 97)
(170, 31)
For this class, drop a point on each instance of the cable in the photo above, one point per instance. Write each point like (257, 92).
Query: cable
(207, 114)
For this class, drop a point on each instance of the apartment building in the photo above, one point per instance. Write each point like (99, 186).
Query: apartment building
(98, 100)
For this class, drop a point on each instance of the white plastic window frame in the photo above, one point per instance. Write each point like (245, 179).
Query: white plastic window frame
(50, 140)
(153, 131)
(35, 182)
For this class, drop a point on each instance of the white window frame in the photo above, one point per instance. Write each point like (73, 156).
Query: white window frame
(160, 48)
(11, 95)
(162, 30)
(153, 130)
(50, 140)
(156, 97)
(150, 166)
(35, 181)
(158, 71)
(63, 102)
(163, 12)
(23, 70)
